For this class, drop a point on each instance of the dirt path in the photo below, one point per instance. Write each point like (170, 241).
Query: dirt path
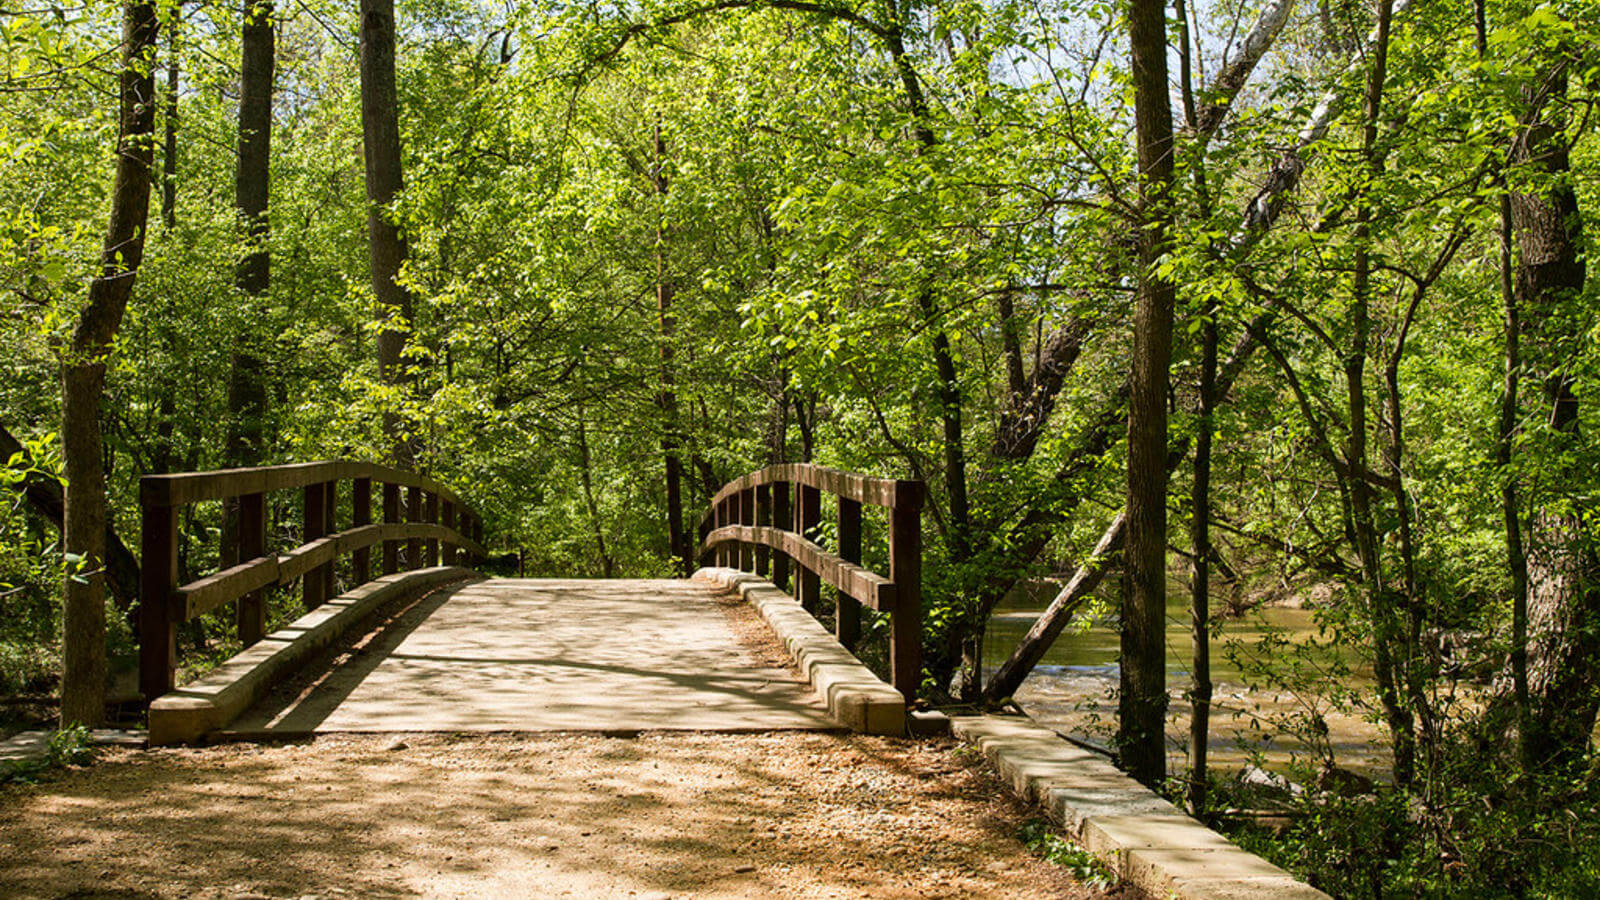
(661, 815)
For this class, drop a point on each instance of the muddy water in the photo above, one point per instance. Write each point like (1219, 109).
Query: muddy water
(1074, 688)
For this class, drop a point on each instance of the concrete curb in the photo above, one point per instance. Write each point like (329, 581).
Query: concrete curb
(1145, 840)
(856, 698)
(191, 712)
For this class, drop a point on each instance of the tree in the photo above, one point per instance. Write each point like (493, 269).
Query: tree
(387, 246)
(83, 371)
(1141, 734)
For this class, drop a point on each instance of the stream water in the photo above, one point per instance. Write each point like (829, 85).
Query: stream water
(1073, 690)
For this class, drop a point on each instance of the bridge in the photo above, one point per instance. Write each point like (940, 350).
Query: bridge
(516, 654)
(402, 633)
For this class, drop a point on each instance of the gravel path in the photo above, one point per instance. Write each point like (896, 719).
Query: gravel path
(660, 815)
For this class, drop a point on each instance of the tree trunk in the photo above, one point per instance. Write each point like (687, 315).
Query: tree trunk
(1200, 590)
(247, 390)
(169, 149)
(380, 127)
(1563, 597)
(83, 676)
(667, 398)
(1143, 700)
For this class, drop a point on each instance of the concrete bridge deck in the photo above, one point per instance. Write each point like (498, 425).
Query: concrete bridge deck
(535, 655)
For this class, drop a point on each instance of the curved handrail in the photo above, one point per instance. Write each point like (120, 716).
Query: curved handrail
(752, 522)
(850, 485)
(435, 519)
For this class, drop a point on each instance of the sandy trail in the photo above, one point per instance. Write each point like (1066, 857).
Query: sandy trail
(660, 815)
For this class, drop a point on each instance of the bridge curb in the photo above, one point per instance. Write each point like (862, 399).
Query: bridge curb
(856, 698)
(189, 713)
(1144, 839)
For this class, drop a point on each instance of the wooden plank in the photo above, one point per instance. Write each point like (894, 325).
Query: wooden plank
(200, 597)
(192, 487)
(885, 492)
(874, 590)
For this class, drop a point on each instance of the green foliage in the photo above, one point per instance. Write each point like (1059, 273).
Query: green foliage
(1042, 839)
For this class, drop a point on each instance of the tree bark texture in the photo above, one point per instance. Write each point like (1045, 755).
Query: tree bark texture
(83, 371)
(1562, 565)
(1143, 700)
(387, 248)
(247, 389)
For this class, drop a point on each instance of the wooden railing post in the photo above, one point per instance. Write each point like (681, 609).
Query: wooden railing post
(763, 495)
(447, 516)
(361, 514)
(251, 614)
(314, 522)
(905, 570)
(330, 508)
(430, 514)
(391, 516)
(847, 615)
(413, 514)
(782, 517)
(747, 516)
(158, 578)
(724, 551)
(808, 515)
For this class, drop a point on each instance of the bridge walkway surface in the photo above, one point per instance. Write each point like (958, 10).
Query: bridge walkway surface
(529, 655)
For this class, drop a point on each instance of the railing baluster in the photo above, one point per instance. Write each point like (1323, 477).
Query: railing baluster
(251, 615)
(330, 525)
(447, 515)
(782, 517)
(314, 524)
(763, 495)
(808, 515)
(158, 578)
(430, 513)
(747, 516)
(361, 514)
(847, 614)
(391, 516)
(413, 514)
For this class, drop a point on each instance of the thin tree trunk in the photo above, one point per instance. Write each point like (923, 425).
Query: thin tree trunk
(667, 398)
(1143, 700)
(1200, 590)
(387, 247)
(169, 150)
(83, 676)
(586, 465)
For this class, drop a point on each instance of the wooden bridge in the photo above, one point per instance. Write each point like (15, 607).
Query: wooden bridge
(503, 654)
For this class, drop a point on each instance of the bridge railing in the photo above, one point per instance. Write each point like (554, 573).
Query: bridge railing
(771, 519)
(420, 516)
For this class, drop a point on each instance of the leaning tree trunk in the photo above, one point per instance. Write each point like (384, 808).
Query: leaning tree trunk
(1143, 701)
(387, 248)
(83, 370)
(1563, 597)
